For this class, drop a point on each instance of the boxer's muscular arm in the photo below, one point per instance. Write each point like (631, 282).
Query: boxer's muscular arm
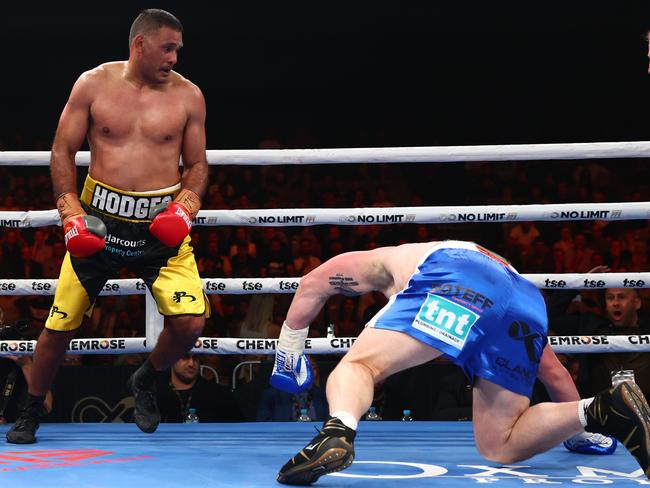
(351, 273)
(70, 134)
(195, 163)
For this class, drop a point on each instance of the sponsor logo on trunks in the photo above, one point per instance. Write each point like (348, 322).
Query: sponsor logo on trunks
(513, 369)
(127, 206)
(60, 313)
(467, 296)
(110, 238)
(520, 331)
(179, 295)
(445, 320)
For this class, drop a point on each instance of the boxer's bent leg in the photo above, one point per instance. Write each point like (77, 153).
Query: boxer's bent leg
(561, 388)
(78, 284)
(178, 290)
(375, 355)
(48, 356)
(76, 290)
(178, 337)
(507, 429)
(556, 378)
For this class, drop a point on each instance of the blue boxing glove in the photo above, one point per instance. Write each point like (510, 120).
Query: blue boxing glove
(291, 372)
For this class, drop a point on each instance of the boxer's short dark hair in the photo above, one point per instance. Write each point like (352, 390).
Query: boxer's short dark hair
(152, 19)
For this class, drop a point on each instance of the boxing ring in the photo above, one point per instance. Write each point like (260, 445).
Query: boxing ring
(389, 454)
(412, 453)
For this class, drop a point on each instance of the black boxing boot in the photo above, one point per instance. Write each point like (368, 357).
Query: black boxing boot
(24, 430)
(142, 385)
(330, 451)
(623, 412)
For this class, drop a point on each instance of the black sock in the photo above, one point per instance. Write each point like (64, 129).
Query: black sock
(35, 400)
(597, 413)
(146, 374)
(35, 405)
(333, 425)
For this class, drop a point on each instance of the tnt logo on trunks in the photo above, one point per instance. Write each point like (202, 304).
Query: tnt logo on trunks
(445, 320)
(126, 206)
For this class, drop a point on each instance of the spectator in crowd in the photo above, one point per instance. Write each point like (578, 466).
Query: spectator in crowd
(242, 238)
(539, 260)
(52, 267)
(213, 264)
(583, 254)
(41, 251)
(522, 235)
(454, 400)
(567, 246)
(622, 317)
(15, 373)
(244, 264)
(618, 258)
(279, 406)
(276, 260)
(14, 377)
(186, 389)
(28, 268)
(12, 253)
(306, 260)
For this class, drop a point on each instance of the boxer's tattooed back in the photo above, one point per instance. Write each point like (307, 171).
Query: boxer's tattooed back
(344, 284)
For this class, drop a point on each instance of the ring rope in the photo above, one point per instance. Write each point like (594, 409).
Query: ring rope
(425, 154)
(245, 286)
(319, 345)
(382, 215)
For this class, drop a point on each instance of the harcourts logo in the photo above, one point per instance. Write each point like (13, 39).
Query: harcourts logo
(445, 320)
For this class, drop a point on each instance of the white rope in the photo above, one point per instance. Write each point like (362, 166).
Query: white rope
(330, 345)
(252, 286)
(427, 154)
(391, 215)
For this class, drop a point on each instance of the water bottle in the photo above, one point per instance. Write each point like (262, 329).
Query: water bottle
(407, 415)
(330, 331)
(191, 417)
(303, 416)
(622, 375)
(372, 414)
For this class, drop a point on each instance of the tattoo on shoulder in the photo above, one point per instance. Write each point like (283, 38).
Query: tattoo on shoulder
(344, 284)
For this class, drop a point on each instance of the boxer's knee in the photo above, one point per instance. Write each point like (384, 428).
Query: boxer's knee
(371, 368)
(186, 326)
(496, 451)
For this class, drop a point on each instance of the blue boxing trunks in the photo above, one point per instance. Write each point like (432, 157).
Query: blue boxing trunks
(477, 310)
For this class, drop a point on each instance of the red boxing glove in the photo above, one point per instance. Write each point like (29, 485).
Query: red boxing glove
(172, 225)
(84, 235)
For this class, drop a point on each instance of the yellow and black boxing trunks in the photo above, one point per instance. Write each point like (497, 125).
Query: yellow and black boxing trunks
(170, 273)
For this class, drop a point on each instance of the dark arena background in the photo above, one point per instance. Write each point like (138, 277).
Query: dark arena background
(319, 75)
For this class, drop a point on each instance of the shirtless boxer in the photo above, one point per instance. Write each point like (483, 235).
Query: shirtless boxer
(459, 300)
(135, 209)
